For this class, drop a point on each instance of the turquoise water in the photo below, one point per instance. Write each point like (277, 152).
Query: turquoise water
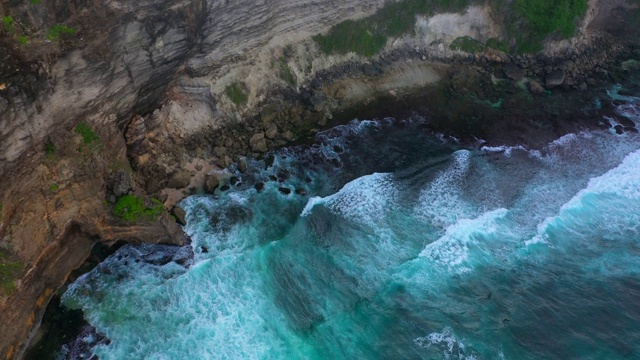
(393, 244)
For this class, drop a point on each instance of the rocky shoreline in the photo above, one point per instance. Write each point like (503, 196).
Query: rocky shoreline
(186, 137)
(485, 96)
(500, 98)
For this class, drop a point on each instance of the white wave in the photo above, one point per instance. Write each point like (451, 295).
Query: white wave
(447, 341)
(440, 202)
(630, 111)
(503, 149)
(623, 180)
(311, 204)
(365, 199)
(452, 249)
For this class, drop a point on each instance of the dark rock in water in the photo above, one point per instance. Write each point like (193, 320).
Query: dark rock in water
(630, 129)
(535, 87)
(242, 165)
(284, 190)
(180, 215)
(619, 129)
(259, 186)
(225, 188)
(283, 175)
(204, 249)
(273, 178)
(233, 180)
(211, 183)
(554, 79)
(300, 191)
(180, 179)
(514, 72)
(338, 149)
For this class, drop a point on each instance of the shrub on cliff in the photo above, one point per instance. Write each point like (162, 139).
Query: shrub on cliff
(236, 94)
(131, 208)
(545, 17)
(89, 138)
(9, 270)
(369, 35)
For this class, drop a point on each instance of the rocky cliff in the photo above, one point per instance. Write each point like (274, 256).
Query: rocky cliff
(99, 99)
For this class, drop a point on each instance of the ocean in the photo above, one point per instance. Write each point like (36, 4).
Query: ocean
(383, 240)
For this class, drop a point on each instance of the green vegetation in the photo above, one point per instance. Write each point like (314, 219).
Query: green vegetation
(467, 44)
(58, 30)
(546, 17)
(497, 44)
(357, 36)
(54, 187)
(369, 35)
(531, 21)
(89, 137)
(50, 150)
(9, 271)
(8, 21)
(131, 208)
(286, 73)
(236, 94)
(23, 40)
(35, 2)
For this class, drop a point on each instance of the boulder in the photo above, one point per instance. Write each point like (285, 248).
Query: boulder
(121, 183)
(554, 79)
(242, 165)
(535, 87)
(272, 131)
(318, 100)
(514, 72)
(211, 183)
(180, 179)
(180, 215)
(258, 143)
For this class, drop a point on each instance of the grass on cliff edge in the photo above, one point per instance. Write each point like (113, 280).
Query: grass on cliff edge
(532, 22)
(236, 94)
(369, 35)
(132, 208)
(545, 17)
(9, 271)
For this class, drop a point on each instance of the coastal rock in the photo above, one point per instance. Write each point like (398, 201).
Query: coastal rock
(535, 87)
(272, 131)
(318, 101)
(180, 215)
(121, 183)
(514, 72)
(180, 179)
(242, 165)
(554, 78)
(258, 143)
(211, 183)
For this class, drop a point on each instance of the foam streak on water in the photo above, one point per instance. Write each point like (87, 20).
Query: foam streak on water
(417, 250)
